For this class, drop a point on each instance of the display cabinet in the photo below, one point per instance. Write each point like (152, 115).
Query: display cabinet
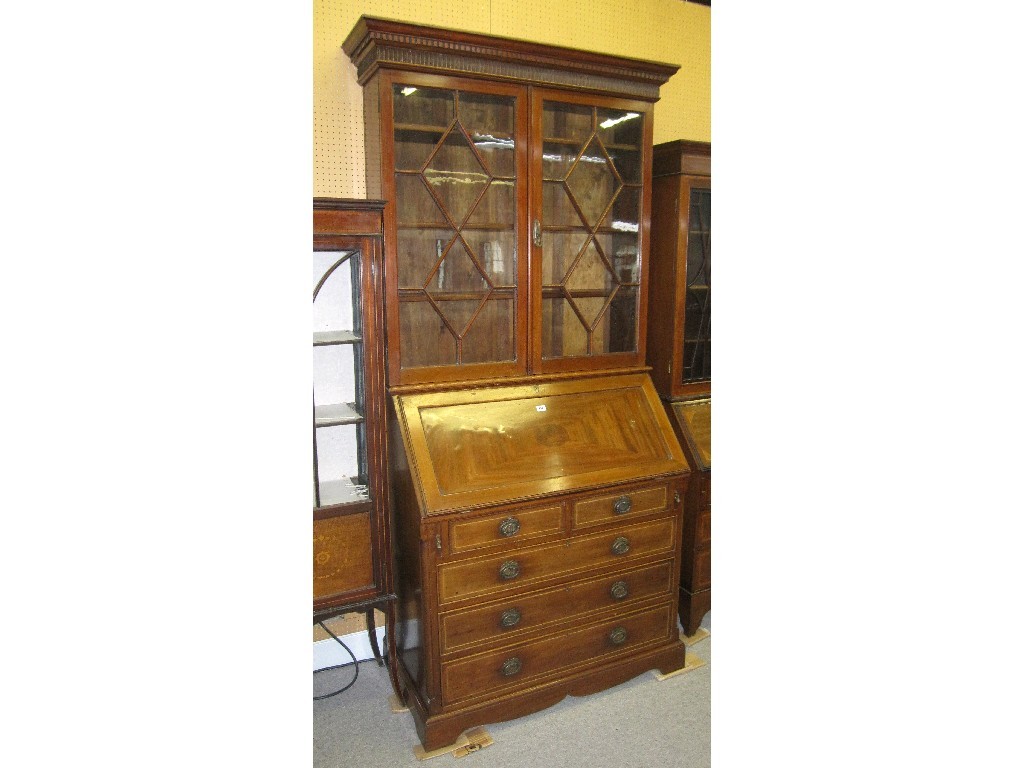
(351, 533)
(679, 343)
(536, 482)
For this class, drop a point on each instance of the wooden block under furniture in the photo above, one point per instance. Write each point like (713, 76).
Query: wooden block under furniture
(692, 663)
(471, 741)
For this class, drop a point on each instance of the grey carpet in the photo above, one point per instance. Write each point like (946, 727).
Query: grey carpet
(639, 724)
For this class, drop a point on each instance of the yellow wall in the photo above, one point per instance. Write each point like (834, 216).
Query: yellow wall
(671, 31)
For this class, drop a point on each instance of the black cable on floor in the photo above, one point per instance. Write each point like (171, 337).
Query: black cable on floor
(354, 661)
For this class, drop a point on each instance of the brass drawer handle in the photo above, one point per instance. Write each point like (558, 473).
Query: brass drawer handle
(617, 636)
(622, 505)
(509, 526)
(620, 589)
(510, 617)
(620, 546)
(511, 666)
(508, 570)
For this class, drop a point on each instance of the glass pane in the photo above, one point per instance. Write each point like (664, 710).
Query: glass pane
(497, 208)
(560, 251)
(457, 273)
(697, 323)
(334, 374)
(425, 338)
(460, 311)
(491, 337)
(496, 251)
(558, 209)
(490, 232)
(698, 250)
(626, 211)
(419, 250)
(490, 122)
(573, 122)
(456, 176)
(592, 183)
(590, 283)
(558, 158)
(619, 128)
(420, 107)
(340, 470)
(627, 163)
(417, 207)
(332, 307)
(622, 320)
(563, 333)
(413, 147)
(697, 361)
(622, 252)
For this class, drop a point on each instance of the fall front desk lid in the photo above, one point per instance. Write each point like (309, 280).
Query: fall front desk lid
(487, 445)
(695, 418)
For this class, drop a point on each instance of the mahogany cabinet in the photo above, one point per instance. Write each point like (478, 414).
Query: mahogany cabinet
(538, 530)
(536, 482)
(679, 343)
(351, 532)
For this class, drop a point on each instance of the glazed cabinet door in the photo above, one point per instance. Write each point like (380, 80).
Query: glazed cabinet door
(695, 337)
(454, 159)
(591, 200)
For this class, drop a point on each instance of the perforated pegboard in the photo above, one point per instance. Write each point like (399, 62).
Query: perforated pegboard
(662, 30)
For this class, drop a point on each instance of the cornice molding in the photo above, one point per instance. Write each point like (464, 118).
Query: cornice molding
(380, 43)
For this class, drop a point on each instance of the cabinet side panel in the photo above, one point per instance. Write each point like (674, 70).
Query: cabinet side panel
(662, 265)
(371, 130)
(341, 554)
(409, 625)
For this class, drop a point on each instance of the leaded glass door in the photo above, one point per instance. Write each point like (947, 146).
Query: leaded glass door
(459, 162)
(593, 191)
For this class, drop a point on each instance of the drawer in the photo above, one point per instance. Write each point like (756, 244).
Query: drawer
(512, 617)
(484, 674)
(702, 530)
(511, 570)
(620, 505)
(342, 554)
(507, 527)
(702, 570)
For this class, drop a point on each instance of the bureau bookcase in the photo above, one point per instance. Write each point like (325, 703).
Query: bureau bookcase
(679, 344)
(536, 482)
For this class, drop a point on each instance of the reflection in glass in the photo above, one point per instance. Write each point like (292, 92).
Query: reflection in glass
(423, 107)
